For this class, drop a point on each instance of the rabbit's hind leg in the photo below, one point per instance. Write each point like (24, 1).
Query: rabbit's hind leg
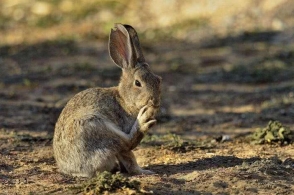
(109, 166)
(129, 162)
(90, 150)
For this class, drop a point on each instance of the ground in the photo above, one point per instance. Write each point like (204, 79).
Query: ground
(225, 88)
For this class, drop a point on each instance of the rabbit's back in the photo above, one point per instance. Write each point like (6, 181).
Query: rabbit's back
(89, 99)
(93, 101)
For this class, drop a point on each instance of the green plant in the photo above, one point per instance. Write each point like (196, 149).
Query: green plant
(106, 181)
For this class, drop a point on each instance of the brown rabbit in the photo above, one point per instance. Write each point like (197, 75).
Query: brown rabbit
(99, 127)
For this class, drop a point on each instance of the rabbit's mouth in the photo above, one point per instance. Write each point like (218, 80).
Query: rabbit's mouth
(156, 106)
(153, 103)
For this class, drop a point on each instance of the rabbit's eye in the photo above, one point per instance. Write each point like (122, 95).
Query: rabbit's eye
(138, 84)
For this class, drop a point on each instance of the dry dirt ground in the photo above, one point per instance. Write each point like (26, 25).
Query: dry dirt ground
(220, 87)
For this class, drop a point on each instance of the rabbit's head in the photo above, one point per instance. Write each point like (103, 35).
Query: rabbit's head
(138, 86)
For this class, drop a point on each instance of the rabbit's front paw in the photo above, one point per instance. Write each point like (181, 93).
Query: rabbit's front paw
(146, 118)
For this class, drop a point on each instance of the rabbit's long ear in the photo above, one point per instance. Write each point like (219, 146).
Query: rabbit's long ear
(124, 46)
(138, 54)
(120, 46)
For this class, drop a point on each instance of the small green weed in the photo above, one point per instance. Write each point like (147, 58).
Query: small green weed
(107, 182)
(274, 132)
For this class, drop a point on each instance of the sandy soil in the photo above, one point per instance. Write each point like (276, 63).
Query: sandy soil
(219, 87)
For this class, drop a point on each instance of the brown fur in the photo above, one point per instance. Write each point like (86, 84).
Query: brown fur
(99, 127)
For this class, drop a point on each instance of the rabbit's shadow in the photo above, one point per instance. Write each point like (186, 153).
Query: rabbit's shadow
(202, 164)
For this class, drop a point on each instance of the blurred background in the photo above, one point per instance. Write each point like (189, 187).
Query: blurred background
(189, 20)
(227, 65)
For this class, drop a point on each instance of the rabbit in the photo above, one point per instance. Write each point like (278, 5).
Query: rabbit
(99, 127)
